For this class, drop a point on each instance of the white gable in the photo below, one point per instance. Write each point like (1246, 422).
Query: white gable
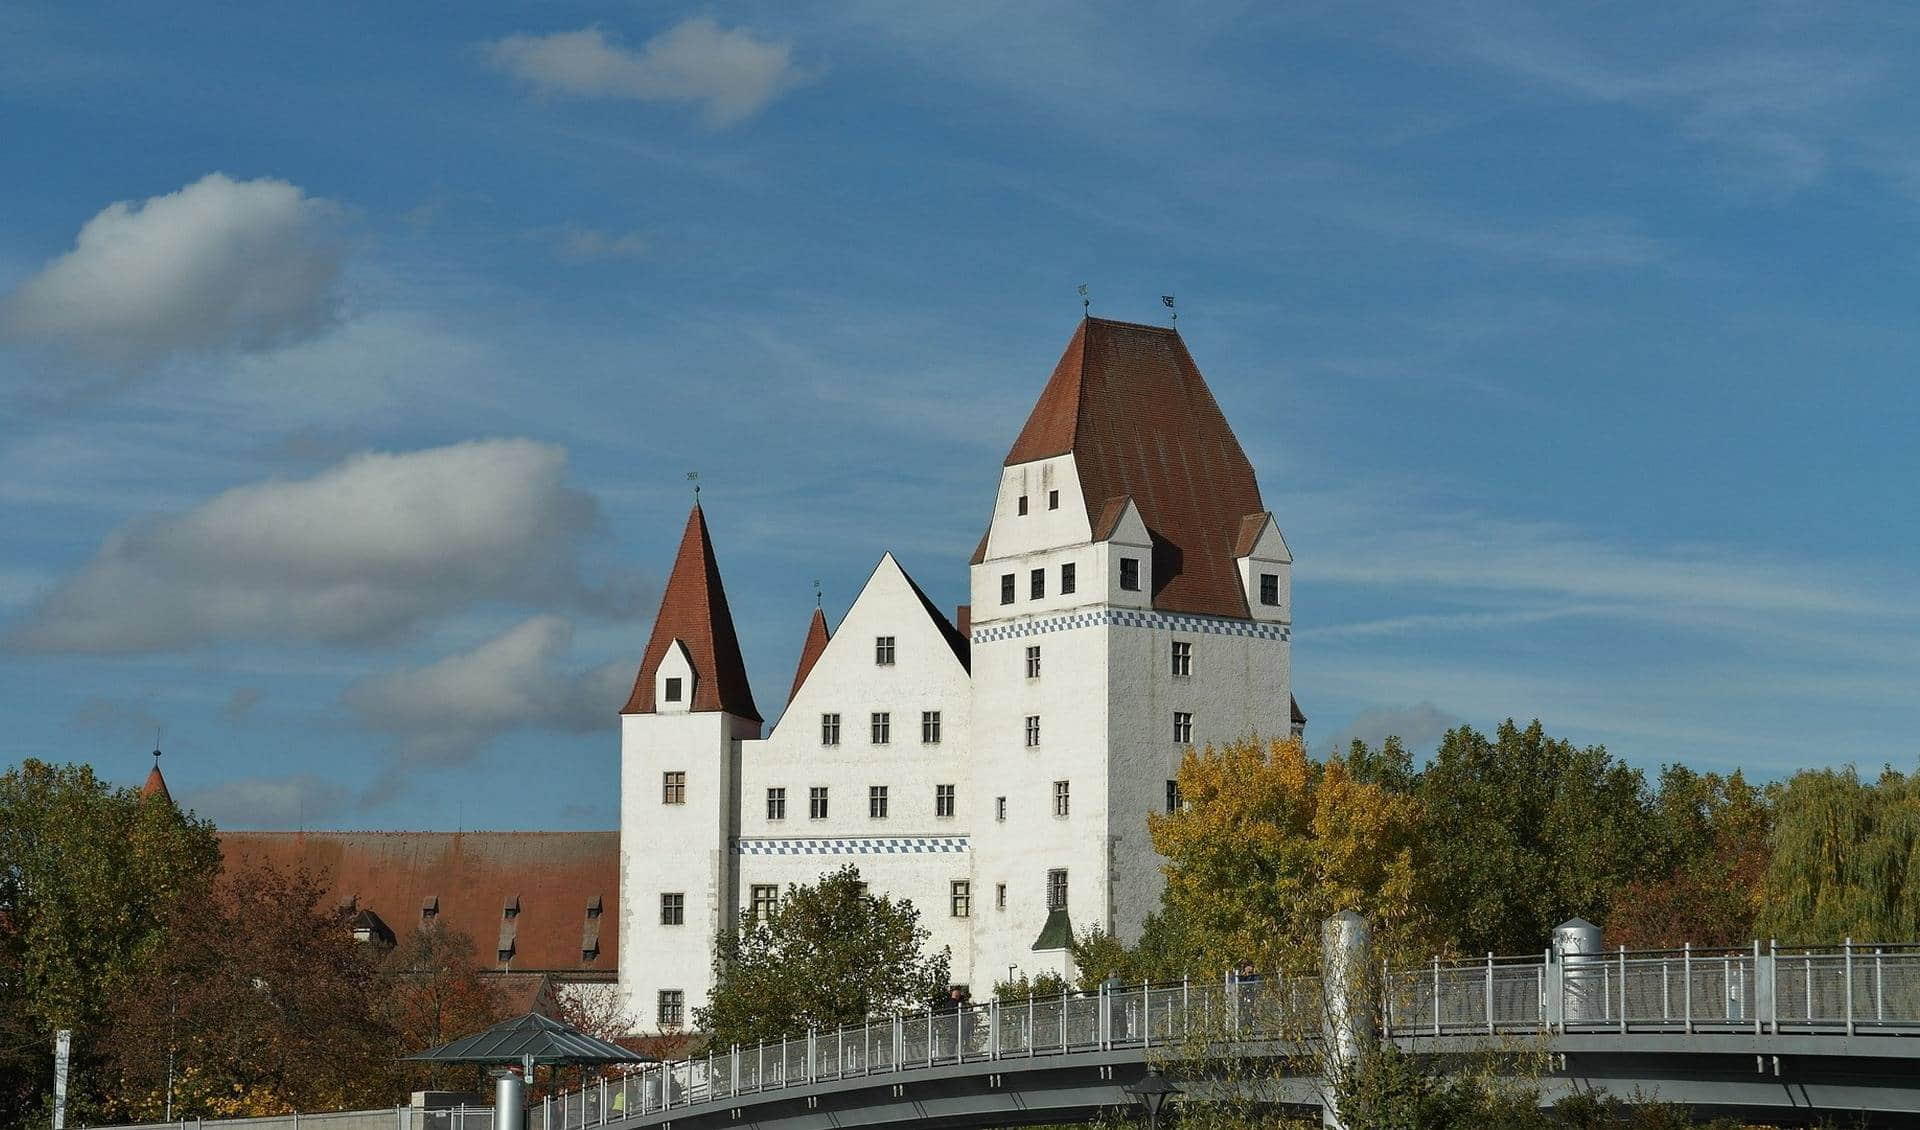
(676, 664)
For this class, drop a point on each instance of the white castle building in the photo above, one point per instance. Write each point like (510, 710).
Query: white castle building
(1130, 599)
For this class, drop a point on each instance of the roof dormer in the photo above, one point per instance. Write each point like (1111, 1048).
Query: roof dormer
(675, 682)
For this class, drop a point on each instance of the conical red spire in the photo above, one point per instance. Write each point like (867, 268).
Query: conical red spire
(817, 636)
(694, 611)
(156, 784)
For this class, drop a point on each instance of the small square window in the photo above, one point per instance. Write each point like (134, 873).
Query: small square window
(673, 1008)
(1270, 589)
(673, 690)
(1182, 659)
(930, 727)
(1053, 500)
(673, 787)
(817, 802)
(766, 898)
(776, 804)
(1000, 808)
(1033, 661)
(999, 896)
(1037, 584)
(1130, 574)
(829, 729)
(1066, 578)
(1033, 730)
(1057, 889)
(1006, 588)
(960, 891)
(877, 802)
(883, 651)
(1061, 802)
(882, 726)
(1023, 504)
(1183, 727)
(943, 800)
(673, 909)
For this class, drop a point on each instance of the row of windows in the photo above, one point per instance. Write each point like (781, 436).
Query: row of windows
(1037, 583)
(877, 796)
(764, 898)
(880, 728)
(1053, 501)
(1062, 799)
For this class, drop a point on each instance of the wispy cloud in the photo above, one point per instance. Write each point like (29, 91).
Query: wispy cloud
(579, 245)
(297, 801)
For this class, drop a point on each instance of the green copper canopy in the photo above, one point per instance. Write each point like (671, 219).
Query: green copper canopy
(547, 1040)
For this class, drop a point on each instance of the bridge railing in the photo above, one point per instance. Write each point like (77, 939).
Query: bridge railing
(1850, 989)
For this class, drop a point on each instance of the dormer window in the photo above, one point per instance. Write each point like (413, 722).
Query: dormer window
(1023, 504)
(511, 908)
(1270, 589)
(429, 907)
(1053, 500)
(1130, 574)
(673, 690)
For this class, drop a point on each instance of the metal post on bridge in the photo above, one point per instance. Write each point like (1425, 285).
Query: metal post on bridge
(1344, 966)
(1847, 965)
(1577, 946)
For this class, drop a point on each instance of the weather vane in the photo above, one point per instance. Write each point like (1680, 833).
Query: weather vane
(816, 592)
(1086, 304)
(694, 478)
(1167, 301)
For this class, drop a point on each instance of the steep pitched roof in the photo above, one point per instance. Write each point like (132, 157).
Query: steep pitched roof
(1299, 719)
(1130, 404)
(156, 785)
(817, 636)
(694, 611)
(961, 645)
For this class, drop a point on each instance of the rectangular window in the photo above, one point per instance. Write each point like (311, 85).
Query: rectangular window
(1173, 796)
(1023, 504)
(1130, 574)
(883, 651)
(930, 727)
(829, 729)
(1033, 730)
(1033, 662)
(673, 909)
(999, 896)
(943, 800)
(673, 787)
(817, 802)
(1066, 578)
(673, 690)
(1000, 808)
(1006, 588)
(1183, 727)
(882, 724)
(876, 802)
(1053, 500)
(1037, 584)
(776, 804)
(1057, 889)
(1061, 804)
(1182, 659)
(673, 1008)
(1270, 588)
(960, 891)
(766, 898)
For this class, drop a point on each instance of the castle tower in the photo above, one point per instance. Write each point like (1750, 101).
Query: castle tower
(680, 735)
(1129, 599)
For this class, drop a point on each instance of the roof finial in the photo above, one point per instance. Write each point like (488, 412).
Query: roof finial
(1086, 304)
(694, 478)
(1167, 301)
(816, 592)
(158, 731)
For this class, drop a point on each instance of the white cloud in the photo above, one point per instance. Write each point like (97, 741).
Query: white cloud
(446, 711)
(365, 549)
(298, 801)
(1419, 728)
(241, 702)
(731, 75)
(577, 245)
(219, 264)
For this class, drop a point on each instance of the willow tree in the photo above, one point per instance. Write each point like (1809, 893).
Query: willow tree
(1845, 860)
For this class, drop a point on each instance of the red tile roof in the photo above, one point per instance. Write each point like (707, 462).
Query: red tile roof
(694, 611)
(1299, 719)
(156, 785)
(469, 877)
(817, 636)
(1130, 404)
(1251, 527)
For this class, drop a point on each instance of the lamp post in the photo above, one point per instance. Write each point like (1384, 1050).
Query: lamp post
(1153, 1090)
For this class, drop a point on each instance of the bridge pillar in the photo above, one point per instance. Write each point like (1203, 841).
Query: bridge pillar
(1345, 966)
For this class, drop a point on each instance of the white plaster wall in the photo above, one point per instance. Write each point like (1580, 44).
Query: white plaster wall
(925, 675)
(1013, 534)
(680, 848)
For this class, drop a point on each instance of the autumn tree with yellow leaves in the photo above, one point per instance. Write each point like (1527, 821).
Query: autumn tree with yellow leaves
(1268, 843)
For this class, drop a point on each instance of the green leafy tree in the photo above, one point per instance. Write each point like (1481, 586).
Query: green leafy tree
(1845, 860)
(1526, 831)
(87, 870)
(1712, 836)
(829, 954)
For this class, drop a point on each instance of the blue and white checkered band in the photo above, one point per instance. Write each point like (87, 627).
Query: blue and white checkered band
(1134, 618)
(851, 845)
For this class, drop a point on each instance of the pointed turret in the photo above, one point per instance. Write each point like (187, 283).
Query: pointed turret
(694, 613)
(156, 784)
(1130, 405)
(817, 637)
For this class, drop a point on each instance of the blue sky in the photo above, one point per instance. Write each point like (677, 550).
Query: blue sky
(352, 359)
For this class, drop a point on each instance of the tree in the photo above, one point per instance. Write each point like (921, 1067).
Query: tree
(261, 998)
(1712, 837)
(1845, 860)
(436, 993)
(86, 871)
(1527, 831)
(829, 954)
(1268, 844)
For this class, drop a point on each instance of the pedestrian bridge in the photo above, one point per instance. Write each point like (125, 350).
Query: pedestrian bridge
(1813, 1034)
